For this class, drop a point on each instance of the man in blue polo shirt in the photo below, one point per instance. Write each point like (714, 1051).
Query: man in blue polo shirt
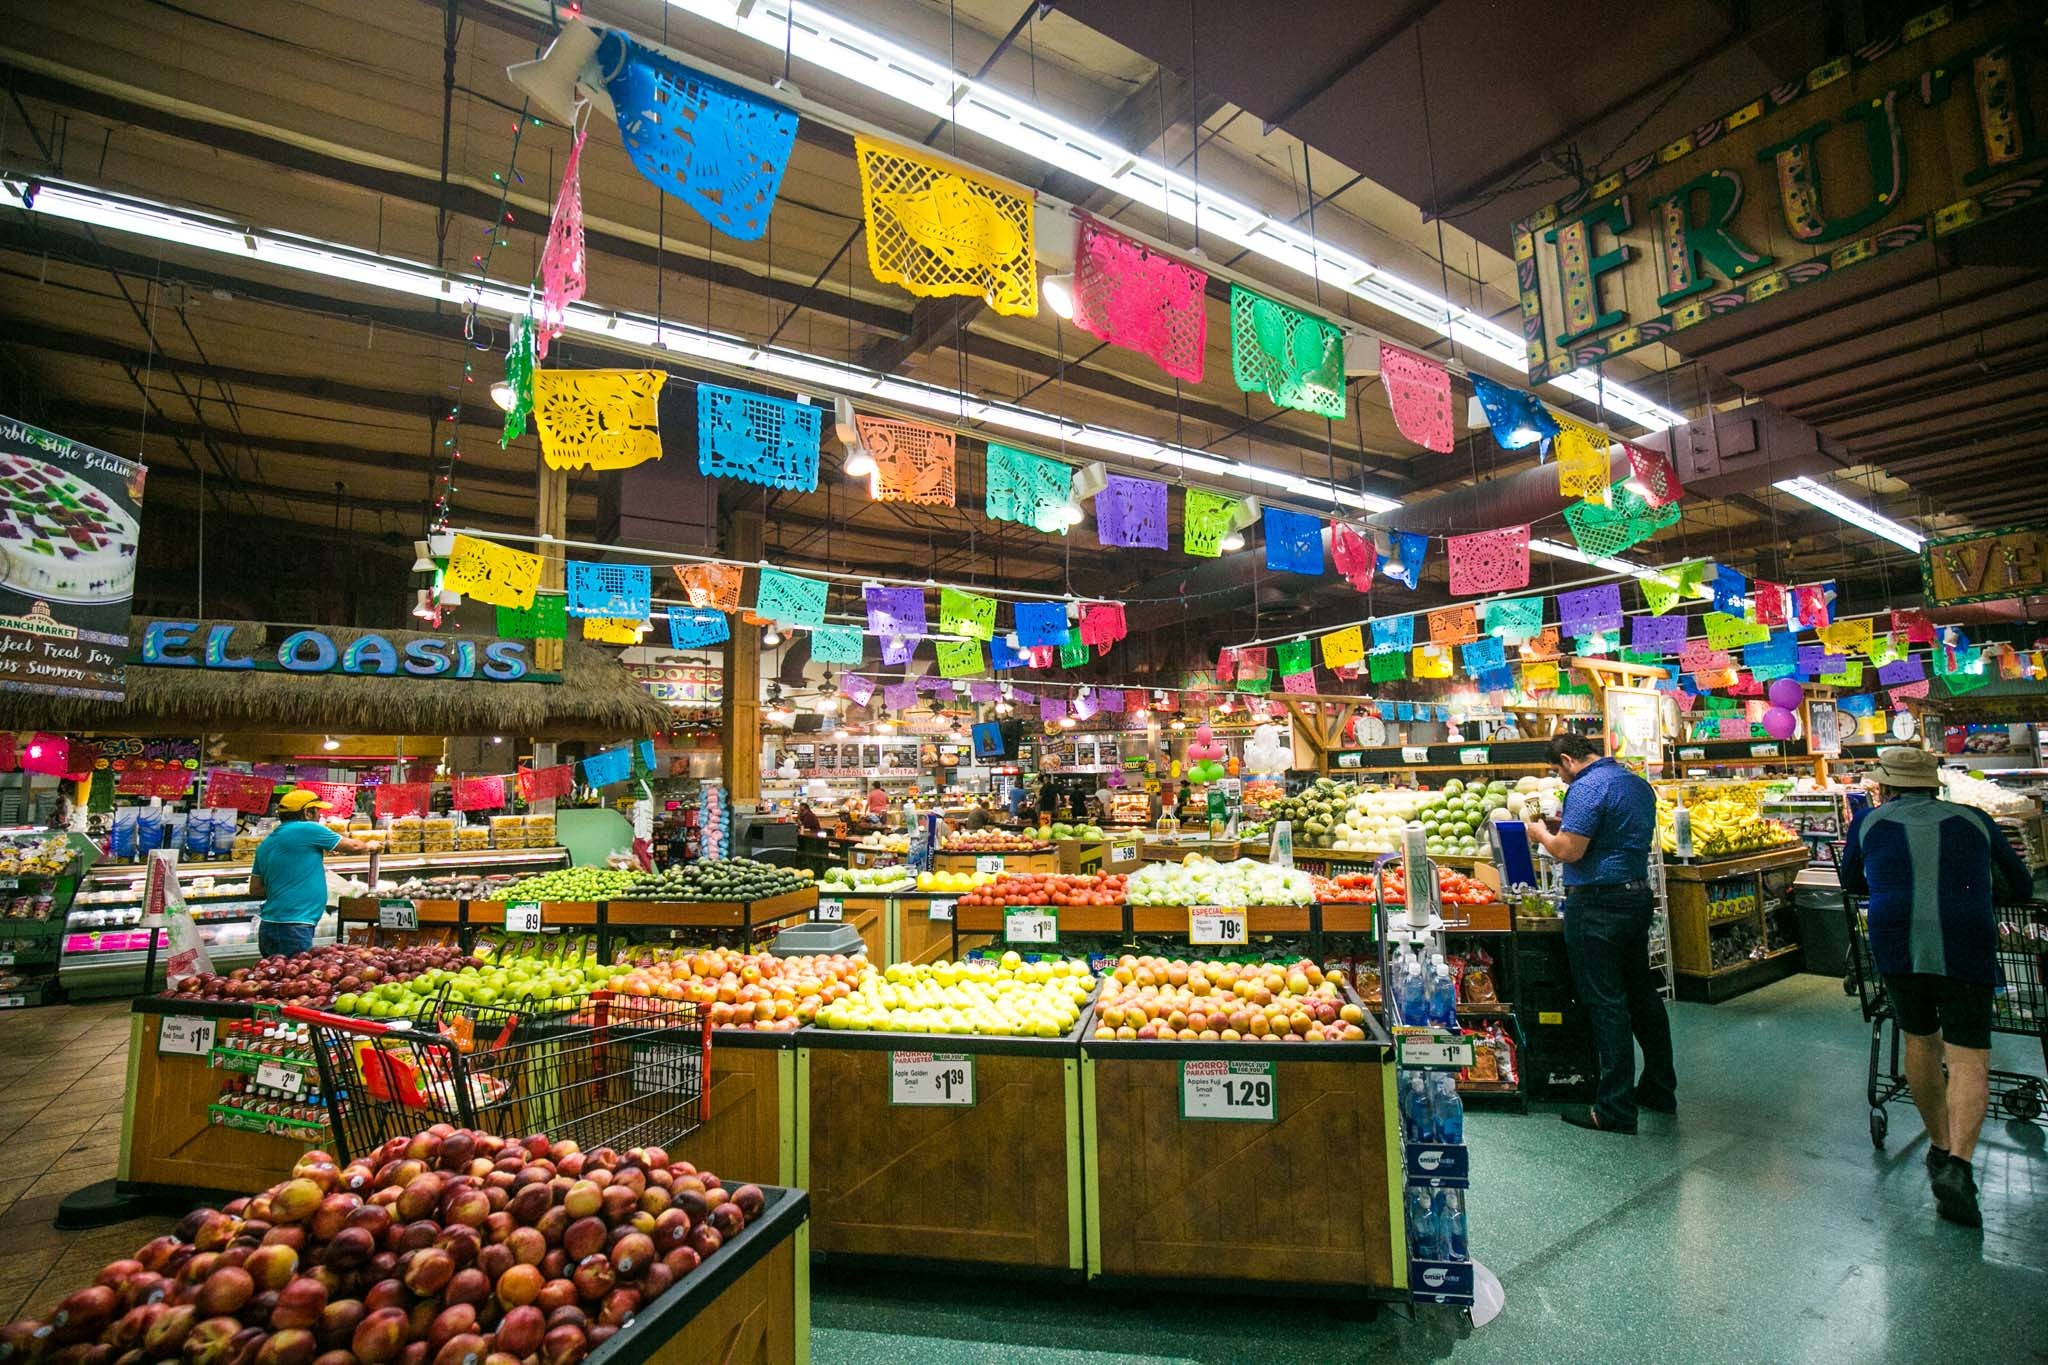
(1603, 840)
(293, 871)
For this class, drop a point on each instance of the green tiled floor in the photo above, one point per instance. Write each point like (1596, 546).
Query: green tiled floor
(1759, 1226)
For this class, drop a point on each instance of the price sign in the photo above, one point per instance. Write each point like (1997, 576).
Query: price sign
(931, 1078)
(1217, 928)
(1242, 1091)
(1475, 757)
(12, 1002)
(1692, 753)
(989, 862)
(1351, 759)
(1041, 925)
(1433, 1050)
(1764, 750)
(397, 915)
(183, 1035)
(9, 883)
(1124, 852)
(830, 907)
(942, 907)
(285, 1078)
(1414, 753)
(6, 959)
(522, 917)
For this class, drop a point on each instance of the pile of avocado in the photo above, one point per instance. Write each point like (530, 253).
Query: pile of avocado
(716, 879)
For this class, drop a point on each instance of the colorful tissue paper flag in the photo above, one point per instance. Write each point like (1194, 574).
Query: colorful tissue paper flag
(1581, 453)
(1863, 704)
(900, 697)
(1254, 662)
(1914, 625)
(932, 682)
(613, 630)
(1343, 648)
(1698, 656)
(1137, 699)
(1815, 660)
(477, 793)
(598, 419)
(1110, 698)
(1027, 489)
(1353, 554)
(983, 691)
(1085, 705)
(898, 649)
(1452, 625)
(1102, 624)
(607, 766)
(1545, 644)
(1735, 727)
(1906, 670)
(959, 658)
(895, 611)
(838, 645)
(1403, 561)
(1586, 610)
(697, 627)
(544, 784)
(399, 799)
(913, 462)
(1767, 602)
(1811, 604)
(1514, 618)
(1431, 661)
(607, 589)
(1041, 623)
(1260, 685)
(1969, 674)
(1657, 634)
(1002, 658)
(1731, 591)
(1392, 632)
(1782, 647)
(340, 795)
(1298, 683)
(1022, 696)
(790, 599)
(1727, 632)
(1652, 475)
(1596, 644)
(1489, 561)
(518, 379)
(1518, 419)
(718, 148)
(855, 688)
(1539, 677)
(1483, 655)
(1074, 653)
(1882, 649)
(1419, 392)
(717, 586)
(496, 575)
(1388, 665)
(966, 613)
(1745, 685)
(1624, 522)
(1052, 709)
(1660, 595)
(1226, 665)
(1843, 636)
(1294, 541)
(1773, 672)
(546, 619)
(1129, 295)
(1131, 513)
(1205, 520)
(1295, 656)
(1296, 359)
(758, 439)
(1911, 689)
(1850, 674)
(938, 229)
(561, 258)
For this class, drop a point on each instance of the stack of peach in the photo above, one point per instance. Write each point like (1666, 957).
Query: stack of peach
(1226, 1002)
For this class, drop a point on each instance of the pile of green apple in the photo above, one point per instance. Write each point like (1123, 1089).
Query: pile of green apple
(518, 970)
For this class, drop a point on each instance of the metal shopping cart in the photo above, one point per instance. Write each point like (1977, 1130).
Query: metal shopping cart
(2019, 1007)
(616, 1071)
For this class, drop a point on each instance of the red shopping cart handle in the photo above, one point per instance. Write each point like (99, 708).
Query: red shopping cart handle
(341, 1021)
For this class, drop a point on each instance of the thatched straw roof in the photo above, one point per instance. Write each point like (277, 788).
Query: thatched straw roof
(597, 697)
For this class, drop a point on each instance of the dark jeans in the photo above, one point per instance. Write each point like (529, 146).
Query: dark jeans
(1607, 931)
(277, 939)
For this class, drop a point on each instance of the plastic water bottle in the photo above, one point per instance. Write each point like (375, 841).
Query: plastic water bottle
(1417, 1114)
(1450, 1223)
(1425, 1240)
(1414, 995)
(1446, 1108)
(1443, 995)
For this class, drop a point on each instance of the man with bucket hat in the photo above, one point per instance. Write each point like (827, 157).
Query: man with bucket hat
(1930, 869)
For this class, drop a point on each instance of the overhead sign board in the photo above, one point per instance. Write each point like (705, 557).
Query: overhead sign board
(1902, 142)
(1985, 567)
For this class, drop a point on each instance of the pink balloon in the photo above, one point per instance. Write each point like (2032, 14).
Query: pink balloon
(1780, 723)
(1786, 693)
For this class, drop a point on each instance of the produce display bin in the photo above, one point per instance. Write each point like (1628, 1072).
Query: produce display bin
(867, 913)
(1046, 860)
(994, 1183)
(1698, 891)
(921, 924)
(1299, 1193)
(977, 926)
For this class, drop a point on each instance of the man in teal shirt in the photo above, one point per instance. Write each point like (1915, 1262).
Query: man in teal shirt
(290, 864)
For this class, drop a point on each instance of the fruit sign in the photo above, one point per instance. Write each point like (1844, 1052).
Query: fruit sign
(1217, 928)
(1241, 1091)
(931, 1078)
(941, 907)
(1040, 925)
(183, 1035)
(830, 908)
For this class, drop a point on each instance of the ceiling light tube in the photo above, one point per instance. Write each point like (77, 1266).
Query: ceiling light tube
(1849, 510)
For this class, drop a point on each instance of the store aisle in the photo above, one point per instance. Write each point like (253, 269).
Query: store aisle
(1759, 1226)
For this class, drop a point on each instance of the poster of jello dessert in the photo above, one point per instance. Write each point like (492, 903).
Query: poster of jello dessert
(70, 523)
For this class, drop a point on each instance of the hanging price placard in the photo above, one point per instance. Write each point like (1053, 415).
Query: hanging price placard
(397, 915)
(1242, 1091)
(1124, 852)
(1474, 757)
(931, 1078)
(1218, 928)
(1414, 753)
(1433, 1050)
(277, 1077)
(1040, 925)
(991, 863)
(522, 917)
(830, 908)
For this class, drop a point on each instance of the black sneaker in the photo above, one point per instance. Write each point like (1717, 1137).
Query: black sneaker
(1657, 1104)
(1937, 1157)
(1955, 1194)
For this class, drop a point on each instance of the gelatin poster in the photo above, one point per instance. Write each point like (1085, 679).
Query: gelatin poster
(70, 522)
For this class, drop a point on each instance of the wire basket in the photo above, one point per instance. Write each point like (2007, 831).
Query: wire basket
(617, 1072)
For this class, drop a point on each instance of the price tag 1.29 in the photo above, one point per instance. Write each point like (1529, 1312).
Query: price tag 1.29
(830, 908)
(1041, 925)
(522, 917)
(288, 1079)
(1242, 1091)
(931, 1078)
(942, 907)
(183, 1035)
(397, 915)
(1218, 928)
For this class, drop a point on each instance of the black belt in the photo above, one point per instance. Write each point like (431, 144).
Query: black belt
(1640, 884)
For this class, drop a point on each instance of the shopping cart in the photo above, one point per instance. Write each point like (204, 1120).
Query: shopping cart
(619, 1071)
(2020, 1006)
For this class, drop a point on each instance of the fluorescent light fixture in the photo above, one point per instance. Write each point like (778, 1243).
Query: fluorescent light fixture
(1855, 513)
(1557, 549)
(845, 49)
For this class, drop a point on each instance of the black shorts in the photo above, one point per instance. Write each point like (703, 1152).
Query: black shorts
(1959, 1010)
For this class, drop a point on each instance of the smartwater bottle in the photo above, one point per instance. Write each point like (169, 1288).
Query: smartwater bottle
(1425, 1241)
(1450, 1224)
(1414, 992)
(1443, 996)
(1446, 1109)
(1416, 1116)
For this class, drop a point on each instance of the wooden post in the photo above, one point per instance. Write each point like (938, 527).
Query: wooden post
(740, 739)
(551, 518)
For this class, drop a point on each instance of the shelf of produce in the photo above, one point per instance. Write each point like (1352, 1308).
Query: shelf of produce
(1259, 919)
(1158, 1182)
(994, 1183)
(1715, 869)
(796, 904)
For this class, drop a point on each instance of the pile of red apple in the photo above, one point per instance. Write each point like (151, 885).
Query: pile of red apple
(314, 978)
(450, 1247)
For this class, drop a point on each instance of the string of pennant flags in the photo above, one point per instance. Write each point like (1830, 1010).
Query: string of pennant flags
(227, 789)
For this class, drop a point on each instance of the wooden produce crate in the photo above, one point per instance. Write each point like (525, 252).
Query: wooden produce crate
(990, 1185)
(750, 1134)
(1693, 920)
(869, 916)
(919, 935)
(1300, 1196)
(553, 914)
(1217, 850)
(1259, 919)
(1047, 860)
(757, 919)
(976, 926)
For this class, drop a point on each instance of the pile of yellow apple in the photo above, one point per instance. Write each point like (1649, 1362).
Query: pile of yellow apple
(1226, 1002)
(1003, 997)
(953, 883)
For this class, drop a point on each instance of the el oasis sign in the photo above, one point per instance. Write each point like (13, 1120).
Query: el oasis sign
(195, 644)
(1897, 144)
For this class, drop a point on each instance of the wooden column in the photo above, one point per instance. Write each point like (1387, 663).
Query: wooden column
(551, 518)
(740, 738)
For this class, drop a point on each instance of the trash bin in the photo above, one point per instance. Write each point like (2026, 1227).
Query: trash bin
(1823, 927)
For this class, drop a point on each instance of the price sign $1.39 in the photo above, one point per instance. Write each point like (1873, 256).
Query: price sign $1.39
(1243, 1091)
(931, 1078)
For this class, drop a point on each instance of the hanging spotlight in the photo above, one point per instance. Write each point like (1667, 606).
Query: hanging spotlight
(1475, 413)
(1066, 722)
(771, 637)
(1232, 542)
(423, 557)
(329, 743)
(859, 463)
(502, 394)
(1058, 293)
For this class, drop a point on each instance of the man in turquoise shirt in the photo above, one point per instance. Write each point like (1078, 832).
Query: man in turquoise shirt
(290, 865)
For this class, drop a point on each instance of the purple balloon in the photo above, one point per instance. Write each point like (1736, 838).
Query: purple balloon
(1780, 723)
(1786, 694)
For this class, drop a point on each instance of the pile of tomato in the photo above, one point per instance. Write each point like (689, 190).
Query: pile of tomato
(1356, 888)
(1049, 888)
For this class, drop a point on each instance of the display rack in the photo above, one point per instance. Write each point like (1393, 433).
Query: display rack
(1727, 935)
(34, 912)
